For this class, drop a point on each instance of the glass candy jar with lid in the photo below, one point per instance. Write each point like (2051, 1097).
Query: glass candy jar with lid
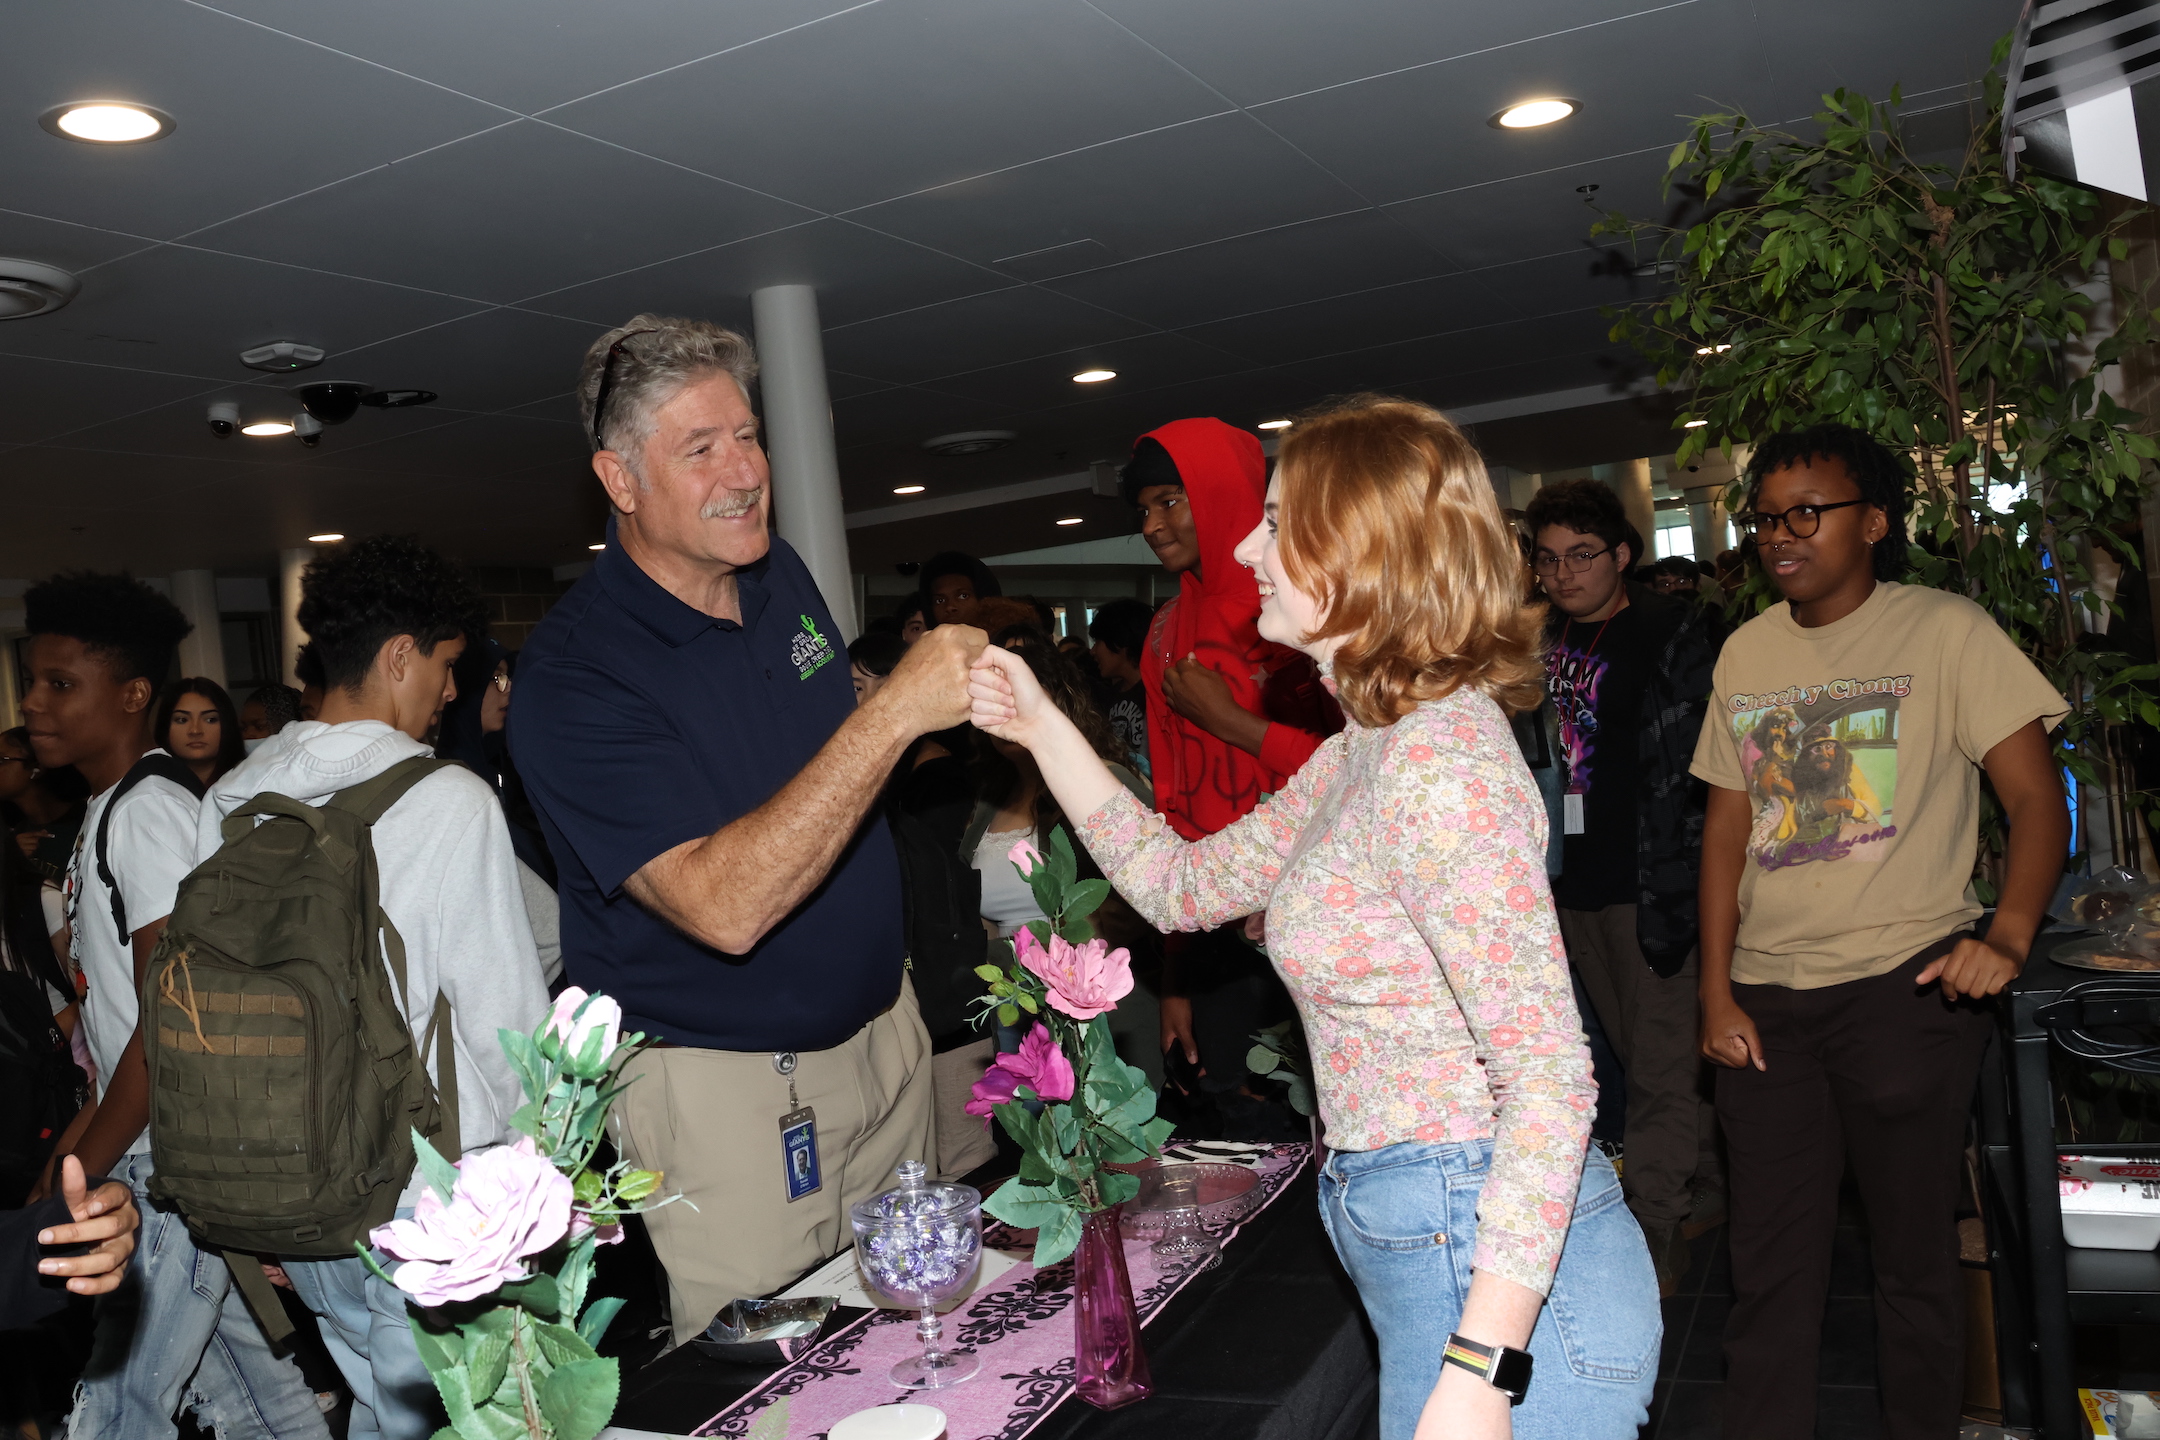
(918, 1246)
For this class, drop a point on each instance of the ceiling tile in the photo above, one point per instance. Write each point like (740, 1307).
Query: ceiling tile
(1284, 266)
(466, 448)
(517, 211)
(859, 275)
(971, 334)
(1144, 362)
(1256, 50)
(1578, 280)
(1504, 220)
(899, 96)
(183, 310)
(259, 116)
(1435, 118)
(44, 398)
(1356, 322)
(55, 242)
(520, 55)
(495, 360)
(1160, 191)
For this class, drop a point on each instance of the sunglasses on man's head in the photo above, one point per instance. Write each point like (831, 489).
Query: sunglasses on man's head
(607, 382)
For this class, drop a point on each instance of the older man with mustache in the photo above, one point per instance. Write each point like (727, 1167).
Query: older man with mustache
(689, 736)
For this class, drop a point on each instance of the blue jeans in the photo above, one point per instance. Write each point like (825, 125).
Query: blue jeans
(177, 1333)
(1404, 1222)
(364, 1327)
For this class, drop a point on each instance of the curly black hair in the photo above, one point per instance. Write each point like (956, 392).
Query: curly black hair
(356, 595)
(1587, 508)
(133, 628)
(1881, 476)
(953, 562)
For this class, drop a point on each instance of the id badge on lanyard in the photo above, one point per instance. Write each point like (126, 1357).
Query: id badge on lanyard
(798, 1138)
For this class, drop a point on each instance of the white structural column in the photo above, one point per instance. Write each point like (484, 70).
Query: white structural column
(799, 434)
(290, 636)
(202, 653)
(1631, 480)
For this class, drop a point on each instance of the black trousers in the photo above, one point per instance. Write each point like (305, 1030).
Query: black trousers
(1880, 1073)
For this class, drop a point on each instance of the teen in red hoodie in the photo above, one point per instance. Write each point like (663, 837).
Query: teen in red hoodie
(1230, 716)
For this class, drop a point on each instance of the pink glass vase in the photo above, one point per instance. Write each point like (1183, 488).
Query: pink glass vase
(1109, 1367)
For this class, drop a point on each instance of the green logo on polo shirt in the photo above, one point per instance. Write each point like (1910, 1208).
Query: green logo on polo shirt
(810, 650)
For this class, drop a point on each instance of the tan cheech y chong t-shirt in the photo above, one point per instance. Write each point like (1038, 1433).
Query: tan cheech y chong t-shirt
(1859, 744)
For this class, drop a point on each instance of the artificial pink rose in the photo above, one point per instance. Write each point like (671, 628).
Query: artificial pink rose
(1084, 980)
(511, 1202)
(1025, 857)
(1040, 1065)
(572, 1030)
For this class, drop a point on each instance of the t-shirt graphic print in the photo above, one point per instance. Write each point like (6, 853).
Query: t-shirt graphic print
(1858, 746)
(1821, 767)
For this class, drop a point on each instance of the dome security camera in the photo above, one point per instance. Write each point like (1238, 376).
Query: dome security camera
(224, 418)
(331, 401)
(308, 428)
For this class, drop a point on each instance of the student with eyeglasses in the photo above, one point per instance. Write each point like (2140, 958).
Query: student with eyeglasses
(1846, 970)
(1627, 673)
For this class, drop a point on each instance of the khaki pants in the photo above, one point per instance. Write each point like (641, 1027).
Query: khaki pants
(963, 1141)
(1653, 1025)
(710, 1119)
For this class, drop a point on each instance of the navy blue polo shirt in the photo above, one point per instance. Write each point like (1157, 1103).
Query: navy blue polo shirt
(641, 723)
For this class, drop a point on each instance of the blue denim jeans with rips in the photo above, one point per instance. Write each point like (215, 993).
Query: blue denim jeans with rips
(364, 1326)
(177, 1334)
(1403, 1220)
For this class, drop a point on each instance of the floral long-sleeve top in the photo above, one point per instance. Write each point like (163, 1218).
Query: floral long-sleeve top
(1403, 874)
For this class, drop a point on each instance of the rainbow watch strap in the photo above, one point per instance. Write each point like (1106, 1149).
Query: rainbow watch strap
(1472, 1357)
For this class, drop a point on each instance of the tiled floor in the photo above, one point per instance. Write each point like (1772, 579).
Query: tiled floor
(1689, 1404)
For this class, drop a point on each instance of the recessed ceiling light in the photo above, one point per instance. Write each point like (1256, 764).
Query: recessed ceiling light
(907, 489)
(1071, 520)
(1274, 424)
(106, 122)
(1693, 424)
(1530, 114)
(268, 427)
(328, 537)
(596, 547)
(1093, 377)
(1712, 349)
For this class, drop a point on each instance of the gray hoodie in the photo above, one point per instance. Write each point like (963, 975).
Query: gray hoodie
(448, 882)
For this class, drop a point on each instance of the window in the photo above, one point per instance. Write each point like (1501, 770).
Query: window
(1675, 540)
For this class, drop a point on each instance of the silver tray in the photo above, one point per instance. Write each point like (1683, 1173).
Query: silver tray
(1223, 1194)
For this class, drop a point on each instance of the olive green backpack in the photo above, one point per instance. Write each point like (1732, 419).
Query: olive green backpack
(284, 1082)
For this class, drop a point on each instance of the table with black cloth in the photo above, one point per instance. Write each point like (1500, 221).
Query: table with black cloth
(1271, 1345)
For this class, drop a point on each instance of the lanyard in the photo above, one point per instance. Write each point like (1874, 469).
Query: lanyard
(1569, 629)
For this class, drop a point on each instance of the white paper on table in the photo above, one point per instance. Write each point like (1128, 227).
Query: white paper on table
(839, 1276)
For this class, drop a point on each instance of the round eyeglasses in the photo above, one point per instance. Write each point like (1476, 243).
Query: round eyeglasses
(1801, 521)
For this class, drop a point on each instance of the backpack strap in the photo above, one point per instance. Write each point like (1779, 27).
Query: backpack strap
(370, 800)
(163, 766)
(260, 1294)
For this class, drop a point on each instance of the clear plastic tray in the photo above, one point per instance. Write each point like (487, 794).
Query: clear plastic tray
(1224, 1195)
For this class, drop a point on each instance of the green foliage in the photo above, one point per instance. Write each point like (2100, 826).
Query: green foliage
(1066, 1148)
(1279, 1051)
(1840, 279)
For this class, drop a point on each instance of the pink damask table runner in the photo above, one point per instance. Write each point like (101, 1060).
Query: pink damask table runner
(1020, 1325)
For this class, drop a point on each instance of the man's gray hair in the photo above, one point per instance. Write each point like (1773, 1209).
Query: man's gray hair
(651, 370)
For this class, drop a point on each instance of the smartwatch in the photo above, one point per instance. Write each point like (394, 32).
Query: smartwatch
(1507, 1371)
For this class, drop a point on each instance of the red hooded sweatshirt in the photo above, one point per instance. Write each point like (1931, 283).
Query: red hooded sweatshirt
(1202, 783)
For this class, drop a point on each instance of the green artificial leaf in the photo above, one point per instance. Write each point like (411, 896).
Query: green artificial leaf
(1058, 1238)
(638, 1184)
(374, 1266)
(1154, 1133)
(560, 1345)
(1084, 898)
(1117, 1186)
(1008, 1015)
(574, 1275)
(579, 1398)
(598, 1316)
(487, 1353)
(585, 1186)
(1061, 857)
(1033, 1170)
(538, 1295)
(1018, 1124)
(1048, 892)
(439, 1173)
(1024, 1206)
(991, 973)
(439, 1350)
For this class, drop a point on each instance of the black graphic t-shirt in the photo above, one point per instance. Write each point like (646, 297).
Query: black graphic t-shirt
(1596, 674)
(1128, 720)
